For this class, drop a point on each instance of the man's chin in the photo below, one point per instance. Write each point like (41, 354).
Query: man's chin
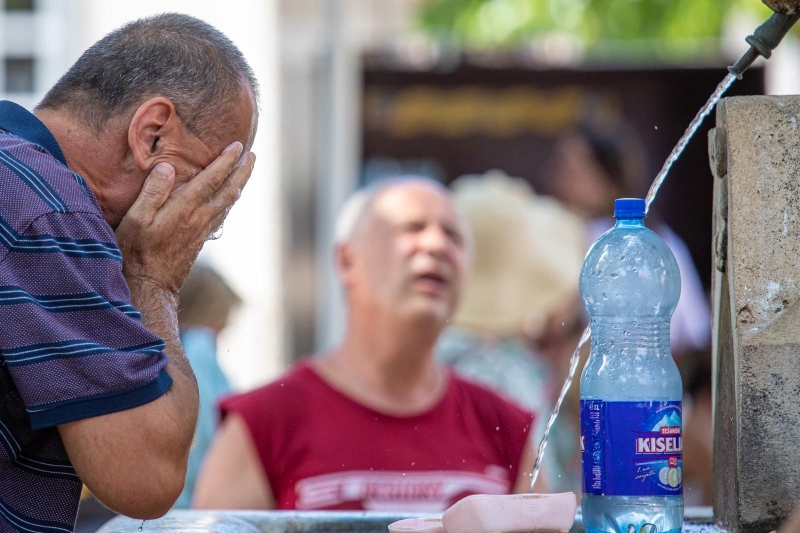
(431, 313)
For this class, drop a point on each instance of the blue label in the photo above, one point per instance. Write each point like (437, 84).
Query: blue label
(632, 448)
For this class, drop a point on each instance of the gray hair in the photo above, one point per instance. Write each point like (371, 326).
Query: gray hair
(352, 213)
(172, 55)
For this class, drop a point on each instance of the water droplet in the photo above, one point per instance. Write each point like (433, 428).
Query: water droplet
(497, 428)
(656, 128)
(216, 234)
(404, 473)
(412, 463)
(141, 526)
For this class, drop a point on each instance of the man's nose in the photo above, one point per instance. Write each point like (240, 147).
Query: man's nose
(434, 240)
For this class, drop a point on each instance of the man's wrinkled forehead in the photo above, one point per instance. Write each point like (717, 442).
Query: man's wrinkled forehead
(251, 136)
(243, 117)
(370, 209)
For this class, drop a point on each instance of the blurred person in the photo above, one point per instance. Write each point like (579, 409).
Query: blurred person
(590, 168)
(698, 430)
(205, 303)
(107, 193)
(528, 252)
(376, 423)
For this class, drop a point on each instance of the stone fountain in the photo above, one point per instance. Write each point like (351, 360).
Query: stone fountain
(755, 154)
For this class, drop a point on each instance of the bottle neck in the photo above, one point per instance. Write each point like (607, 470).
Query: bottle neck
(629, 223)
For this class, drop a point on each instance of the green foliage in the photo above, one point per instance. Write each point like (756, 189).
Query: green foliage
(504, 23)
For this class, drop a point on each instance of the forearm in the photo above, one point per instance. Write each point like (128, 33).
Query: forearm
(160, 316)
(135, 460)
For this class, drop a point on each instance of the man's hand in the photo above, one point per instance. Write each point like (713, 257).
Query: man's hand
(163, 232)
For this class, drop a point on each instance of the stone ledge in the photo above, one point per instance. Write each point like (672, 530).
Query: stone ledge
(698, 520)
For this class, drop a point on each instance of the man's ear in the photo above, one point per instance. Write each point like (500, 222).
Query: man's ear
(343, 259)
(154, 120)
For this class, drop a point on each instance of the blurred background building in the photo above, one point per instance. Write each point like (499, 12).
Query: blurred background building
(359, 90)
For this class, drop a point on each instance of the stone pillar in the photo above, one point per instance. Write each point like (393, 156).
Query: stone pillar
(755, 158)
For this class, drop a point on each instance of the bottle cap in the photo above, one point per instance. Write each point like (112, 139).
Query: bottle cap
(629, 208)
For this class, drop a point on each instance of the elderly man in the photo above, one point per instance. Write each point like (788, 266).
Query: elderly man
(146, 136)
(376, 423)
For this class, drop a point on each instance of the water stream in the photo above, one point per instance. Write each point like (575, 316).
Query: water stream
(573, 366)
(687, 136)
(651, 195)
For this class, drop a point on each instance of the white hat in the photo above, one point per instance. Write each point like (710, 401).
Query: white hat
(528, 254)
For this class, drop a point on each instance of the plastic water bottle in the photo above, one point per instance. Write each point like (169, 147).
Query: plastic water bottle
(631, 390)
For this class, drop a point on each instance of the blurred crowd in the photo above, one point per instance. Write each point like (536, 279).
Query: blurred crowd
(462, 313)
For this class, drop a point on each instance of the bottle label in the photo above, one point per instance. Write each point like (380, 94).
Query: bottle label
(631, 448)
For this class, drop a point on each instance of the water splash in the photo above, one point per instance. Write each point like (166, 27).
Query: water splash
(687, 136)
(216, 234)
(573, 366)
(651, 195)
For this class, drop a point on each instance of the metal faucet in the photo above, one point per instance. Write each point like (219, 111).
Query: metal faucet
(769, 34)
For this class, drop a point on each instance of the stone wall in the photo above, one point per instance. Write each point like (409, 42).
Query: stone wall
(755, 156)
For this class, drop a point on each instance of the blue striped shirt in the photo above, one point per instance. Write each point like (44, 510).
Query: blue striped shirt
(71, 344)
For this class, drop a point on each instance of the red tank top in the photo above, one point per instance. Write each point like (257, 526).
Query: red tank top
(322, 450)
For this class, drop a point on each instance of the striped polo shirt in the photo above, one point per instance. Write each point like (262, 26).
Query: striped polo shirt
(71, 344)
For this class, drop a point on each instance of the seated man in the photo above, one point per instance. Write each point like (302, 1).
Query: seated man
(377, 423)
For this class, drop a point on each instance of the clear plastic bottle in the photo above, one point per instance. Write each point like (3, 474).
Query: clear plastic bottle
(630, 387)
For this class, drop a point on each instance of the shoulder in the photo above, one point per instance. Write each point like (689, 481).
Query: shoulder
(275, 399)
(41, 183)
(273, 413)
(489, 405)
